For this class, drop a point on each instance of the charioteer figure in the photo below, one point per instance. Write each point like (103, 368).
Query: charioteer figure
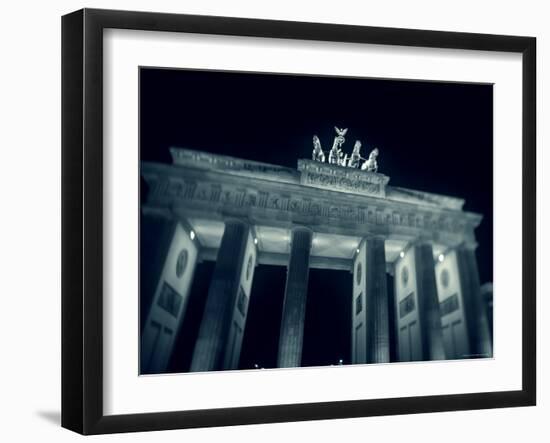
(335, 156)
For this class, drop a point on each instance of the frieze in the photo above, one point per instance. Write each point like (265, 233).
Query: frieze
(176, 188)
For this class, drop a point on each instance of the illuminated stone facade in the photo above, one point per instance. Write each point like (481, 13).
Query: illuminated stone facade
(241, 213)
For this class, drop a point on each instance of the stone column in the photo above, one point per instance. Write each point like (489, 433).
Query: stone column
(294, 307)
(222, 327)
(417, 313)
(163, 316)
(370, 320)
(428, 303)
(477, 324)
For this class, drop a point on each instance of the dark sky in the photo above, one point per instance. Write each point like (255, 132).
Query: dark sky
(432, 136)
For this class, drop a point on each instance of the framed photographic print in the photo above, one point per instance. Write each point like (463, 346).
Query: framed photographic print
(269, 221)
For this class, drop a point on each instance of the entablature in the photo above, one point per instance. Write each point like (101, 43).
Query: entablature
(217, 194)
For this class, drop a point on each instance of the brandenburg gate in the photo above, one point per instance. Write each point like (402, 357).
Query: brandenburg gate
(332, 214)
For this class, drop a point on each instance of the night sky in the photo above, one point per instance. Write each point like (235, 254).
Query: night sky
(432, 136)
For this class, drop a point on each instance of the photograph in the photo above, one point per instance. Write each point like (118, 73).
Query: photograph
(297, 218)
(293, 221)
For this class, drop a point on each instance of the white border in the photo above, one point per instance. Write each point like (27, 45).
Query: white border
(125, 392)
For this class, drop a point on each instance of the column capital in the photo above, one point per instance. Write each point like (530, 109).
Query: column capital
(237, 221)
(421, 241)
(301, 231)
(301, 228)
(372, 236)
(468, 246)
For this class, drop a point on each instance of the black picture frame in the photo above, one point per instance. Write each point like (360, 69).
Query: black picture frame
(82, 220)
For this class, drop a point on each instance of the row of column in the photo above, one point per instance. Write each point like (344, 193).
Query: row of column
(417, 304)
(222, 327)
(438, 308)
